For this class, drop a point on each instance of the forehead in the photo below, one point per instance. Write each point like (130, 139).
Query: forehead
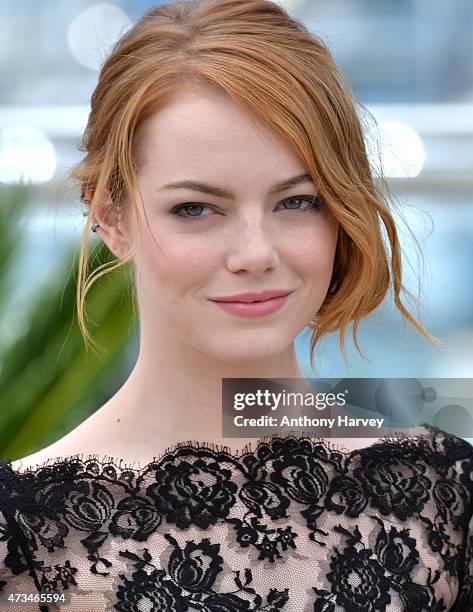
(204, 131)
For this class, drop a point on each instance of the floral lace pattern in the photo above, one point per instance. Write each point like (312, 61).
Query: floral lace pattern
(294, 525)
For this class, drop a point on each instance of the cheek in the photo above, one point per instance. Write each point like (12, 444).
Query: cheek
(315, 251)
(177, 263)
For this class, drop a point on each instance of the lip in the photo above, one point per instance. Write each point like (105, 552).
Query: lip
(253, 296)
(254, 309)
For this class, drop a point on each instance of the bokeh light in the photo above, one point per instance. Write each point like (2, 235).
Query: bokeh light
(26, 154)
(91, 34)
(402, 150)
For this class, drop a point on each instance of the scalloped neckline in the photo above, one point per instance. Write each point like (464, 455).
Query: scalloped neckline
(191, 445)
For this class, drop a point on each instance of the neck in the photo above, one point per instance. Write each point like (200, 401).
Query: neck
(176, 394)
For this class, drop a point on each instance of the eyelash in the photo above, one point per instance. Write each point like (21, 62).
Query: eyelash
(315, 204)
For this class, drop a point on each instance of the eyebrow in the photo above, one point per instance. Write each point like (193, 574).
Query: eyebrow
(223, 193)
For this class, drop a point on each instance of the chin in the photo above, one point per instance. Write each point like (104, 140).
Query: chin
(249, 352)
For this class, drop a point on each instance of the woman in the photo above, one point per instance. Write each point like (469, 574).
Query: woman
(225, 156)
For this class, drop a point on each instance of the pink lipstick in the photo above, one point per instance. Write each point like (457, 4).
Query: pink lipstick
(245, 304)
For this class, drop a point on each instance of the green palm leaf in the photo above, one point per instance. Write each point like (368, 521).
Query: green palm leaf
(46, 372)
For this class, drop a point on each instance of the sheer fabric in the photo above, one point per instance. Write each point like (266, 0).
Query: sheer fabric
(296, 525)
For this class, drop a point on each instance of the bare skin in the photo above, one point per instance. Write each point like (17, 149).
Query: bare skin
(249, 243)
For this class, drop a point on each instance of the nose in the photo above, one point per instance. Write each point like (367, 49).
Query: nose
(252, 247)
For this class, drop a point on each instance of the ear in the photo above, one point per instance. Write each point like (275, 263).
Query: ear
(111, 228)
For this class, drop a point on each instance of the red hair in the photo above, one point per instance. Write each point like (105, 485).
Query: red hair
(283, 74)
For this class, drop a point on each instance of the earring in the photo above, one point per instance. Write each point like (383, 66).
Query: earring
(95, 225)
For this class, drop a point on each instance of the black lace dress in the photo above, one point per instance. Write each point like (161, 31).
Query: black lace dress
(295, 525)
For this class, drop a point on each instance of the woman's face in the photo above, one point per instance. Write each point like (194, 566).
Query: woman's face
(220, 246)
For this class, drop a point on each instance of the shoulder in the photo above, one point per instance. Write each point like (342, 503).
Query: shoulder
(73, 444)
(426, 443)
(38, 458)
(443, 443)
(92, 437)
(454, 447)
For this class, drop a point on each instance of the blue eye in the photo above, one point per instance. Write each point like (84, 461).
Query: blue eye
(189, 208)
(314, 203)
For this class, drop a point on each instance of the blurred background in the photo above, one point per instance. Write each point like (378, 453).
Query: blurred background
(410, 65)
